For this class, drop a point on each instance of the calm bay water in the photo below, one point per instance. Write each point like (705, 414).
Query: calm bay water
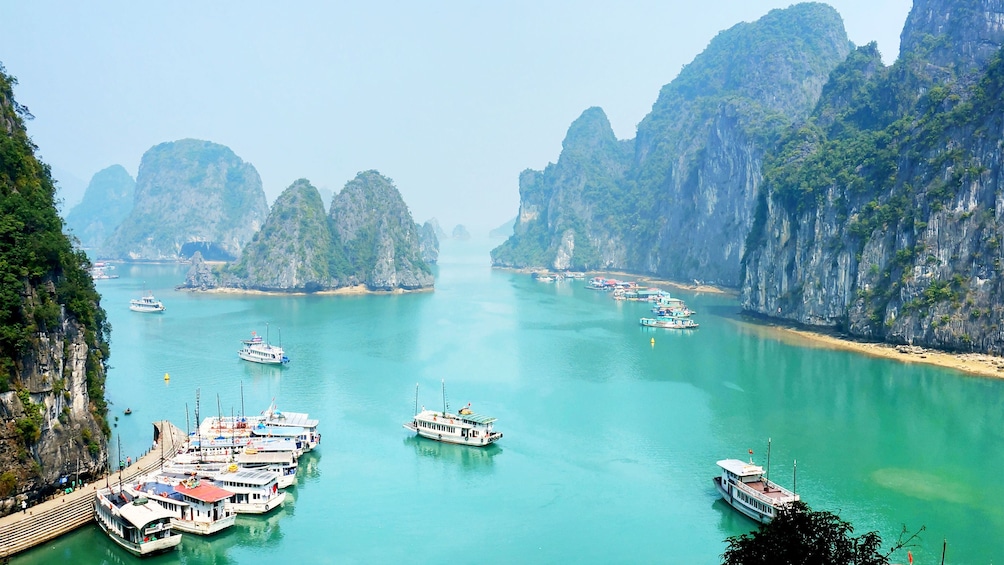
(610, 440)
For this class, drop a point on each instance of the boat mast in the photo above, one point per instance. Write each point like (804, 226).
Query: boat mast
(416, 398)
(768, 465)
(445, 405)
(242, 400)
(198, 428)
(794, 478)
(119, 438)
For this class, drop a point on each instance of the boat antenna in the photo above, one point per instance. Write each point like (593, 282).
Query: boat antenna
(794, 476)
(446, 405)
(768, 466)
(266, 333)
(119, 439)
(198, 427)
(219, 415)
(416, 398)
(242, 400)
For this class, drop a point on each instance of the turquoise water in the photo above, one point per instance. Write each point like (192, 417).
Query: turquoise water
(610, 440)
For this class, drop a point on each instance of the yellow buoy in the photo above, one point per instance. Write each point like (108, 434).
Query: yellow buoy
(653, 341)
(167, 377)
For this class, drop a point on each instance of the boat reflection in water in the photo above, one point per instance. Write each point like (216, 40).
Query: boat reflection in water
(454, 453)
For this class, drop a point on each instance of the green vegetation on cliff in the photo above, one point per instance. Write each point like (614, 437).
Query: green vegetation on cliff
(38, 261)
(887, 193)
(369, 238)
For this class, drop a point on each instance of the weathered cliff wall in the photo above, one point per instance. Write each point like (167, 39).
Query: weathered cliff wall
(881, 217)
(677, 200)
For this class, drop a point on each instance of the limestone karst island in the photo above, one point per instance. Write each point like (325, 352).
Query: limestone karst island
(283, 317)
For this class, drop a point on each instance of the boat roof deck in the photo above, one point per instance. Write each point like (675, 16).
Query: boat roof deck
(771, 491)
(471, 418)
(205, 491)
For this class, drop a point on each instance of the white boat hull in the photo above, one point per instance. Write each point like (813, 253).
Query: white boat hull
(203, 528)
(738, 505)
(455, 439)
(258, 507)
(141, 549)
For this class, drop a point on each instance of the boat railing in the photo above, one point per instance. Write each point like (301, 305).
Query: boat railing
(762, 497)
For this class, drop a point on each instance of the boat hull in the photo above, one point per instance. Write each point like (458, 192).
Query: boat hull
(203, 528)
(143, 549)
(738, 505)
(263, 361)
(258, 507)
(147, 310)
(455, 439)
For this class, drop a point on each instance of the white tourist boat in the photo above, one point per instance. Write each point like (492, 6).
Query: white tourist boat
(258, 350)
(744, 486)
(146, 304)
(196, 506)
(668, 322)
(281, 462)
(272, 423)
(464, 428)
(256, 490)
(138, 525)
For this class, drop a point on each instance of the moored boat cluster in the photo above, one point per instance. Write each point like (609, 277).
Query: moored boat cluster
(670, 313)
(228, 466)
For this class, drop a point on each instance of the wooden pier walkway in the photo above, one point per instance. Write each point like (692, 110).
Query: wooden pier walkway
(65, 513)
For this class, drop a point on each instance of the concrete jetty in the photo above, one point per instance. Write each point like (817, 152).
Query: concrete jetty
(65, 513)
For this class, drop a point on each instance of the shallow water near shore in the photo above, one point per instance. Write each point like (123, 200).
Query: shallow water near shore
(610, 439)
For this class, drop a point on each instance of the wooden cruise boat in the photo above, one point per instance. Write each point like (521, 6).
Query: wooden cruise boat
(258, 350)
(147, 304)
(196, 506)
(464, 427)
(139, 526)
(669, 323)
(744, 486)
(256, 490)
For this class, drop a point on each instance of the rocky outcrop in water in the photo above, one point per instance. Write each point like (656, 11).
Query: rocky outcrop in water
(54, 338)
(880, 216)
(368, 239)
(106, 203)
(190, 195)
(428, 243)
(677, 201)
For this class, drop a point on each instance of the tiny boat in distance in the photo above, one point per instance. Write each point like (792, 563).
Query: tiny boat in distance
(464, 428)
(146, 304)
(744, 486)
(258, 350)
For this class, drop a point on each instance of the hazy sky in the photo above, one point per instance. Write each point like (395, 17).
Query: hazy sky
(449, 99)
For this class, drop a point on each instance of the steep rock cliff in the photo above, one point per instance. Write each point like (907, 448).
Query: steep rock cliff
(53, 332)
(428, 243)
(373, 226)
(880, 217)
(677, 201)
(106, 203)
(368, 239)
(190, 192)
(291, 252)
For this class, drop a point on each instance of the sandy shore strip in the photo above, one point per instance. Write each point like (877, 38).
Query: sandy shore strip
(971, 363)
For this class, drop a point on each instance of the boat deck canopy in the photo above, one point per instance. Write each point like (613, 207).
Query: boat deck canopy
(477, 418)
(740, 468)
